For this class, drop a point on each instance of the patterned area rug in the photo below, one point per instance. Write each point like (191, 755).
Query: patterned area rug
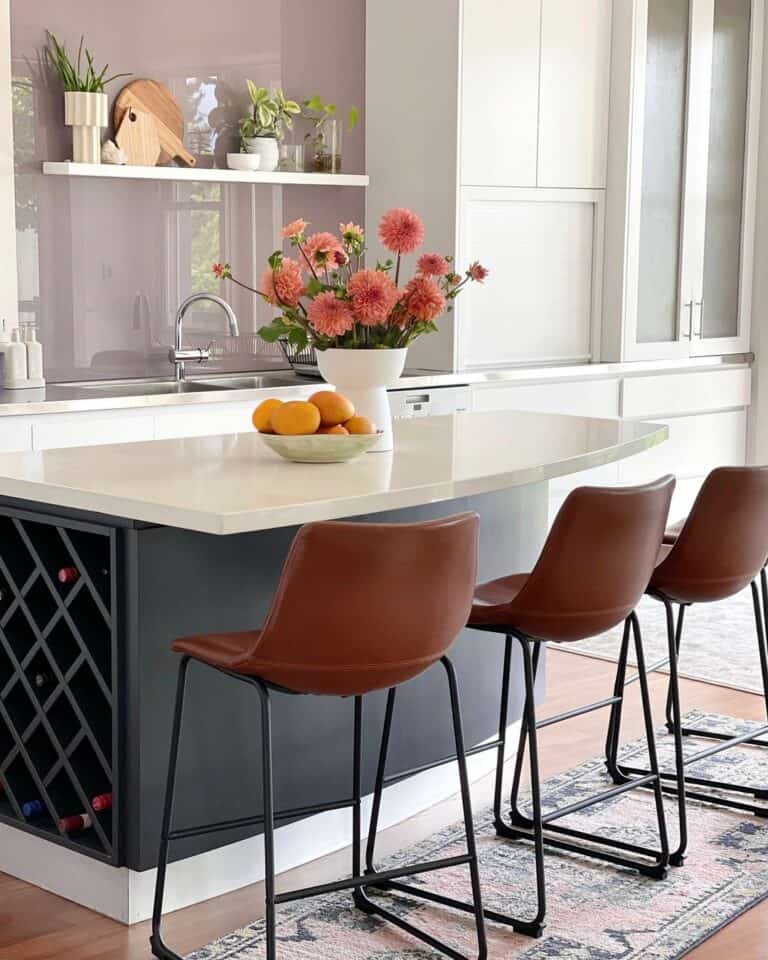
(596, 911)
(719, 642)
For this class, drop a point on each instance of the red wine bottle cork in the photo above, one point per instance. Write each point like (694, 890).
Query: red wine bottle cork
(69, 575)
(76, 823)
(102, 802)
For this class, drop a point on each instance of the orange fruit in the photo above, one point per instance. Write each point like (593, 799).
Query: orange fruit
(334, 407)
(262, 415)
(296, 418)
(337, 429)
(360, 425)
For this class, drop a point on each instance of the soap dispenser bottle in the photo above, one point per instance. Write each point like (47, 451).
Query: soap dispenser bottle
(34, 356)
(15, 360)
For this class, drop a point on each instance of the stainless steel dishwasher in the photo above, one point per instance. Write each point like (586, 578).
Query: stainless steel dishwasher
(431, 402)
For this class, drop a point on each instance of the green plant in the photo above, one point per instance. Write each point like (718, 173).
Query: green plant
(269, 114)
(70, 73)
(320, 113)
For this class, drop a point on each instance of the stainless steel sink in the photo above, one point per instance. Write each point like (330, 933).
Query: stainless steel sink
(136, 388)
(253, 381)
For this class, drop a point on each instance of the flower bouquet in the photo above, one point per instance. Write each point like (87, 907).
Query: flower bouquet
(327, 299)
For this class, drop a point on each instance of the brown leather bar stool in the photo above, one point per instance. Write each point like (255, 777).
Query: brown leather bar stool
(713, 554)
(312, 645)
(589, 577)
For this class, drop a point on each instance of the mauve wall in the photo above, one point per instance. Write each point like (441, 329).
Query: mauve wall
(103, 264)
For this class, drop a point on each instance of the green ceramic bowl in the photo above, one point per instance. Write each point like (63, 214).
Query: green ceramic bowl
(320, 447)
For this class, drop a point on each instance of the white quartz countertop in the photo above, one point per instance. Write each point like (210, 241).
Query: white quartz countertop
(233, 484)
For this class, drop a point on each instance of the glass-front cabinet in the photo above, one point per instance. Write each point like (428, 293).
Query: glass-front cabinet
(691, 113)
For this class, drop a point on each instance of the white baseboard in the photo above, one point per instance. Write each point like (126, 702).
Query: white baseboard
(126, 895)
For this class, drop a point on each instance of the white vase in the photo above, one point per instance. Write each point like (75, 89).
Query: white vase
(266, 148)
(87, 114)
(364, 376)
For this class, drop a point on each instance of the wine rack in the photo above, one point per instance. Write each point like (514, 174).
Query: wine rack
(59, 697)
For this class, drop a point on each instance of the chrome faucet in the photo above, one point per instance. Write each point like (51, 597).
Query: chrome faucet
(177, 355)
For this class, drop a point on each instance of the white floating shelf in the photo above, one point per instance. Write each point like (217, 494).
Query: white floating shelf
(197, 174)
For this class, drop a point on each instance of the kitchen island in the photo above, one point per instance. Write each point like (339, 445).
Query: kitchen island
(109, 553)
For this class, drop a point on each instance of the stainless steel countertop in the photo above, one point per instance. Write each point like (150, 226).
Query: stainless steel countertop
(121, 395)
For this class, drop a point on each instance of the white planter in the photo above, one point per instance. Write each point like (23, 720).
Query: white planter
(87, 114)
(364, 376)
(266, 149)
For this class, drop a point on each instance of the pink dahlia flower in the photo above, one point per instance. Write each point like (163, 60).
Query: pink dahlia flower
(329, 316)
(351, 231)
(401, 230)
(373, 293)
(296, 228)
(321, 249)
(222, 271)
(424, 300)
(477, 272)
(284, 286)
(433, 265)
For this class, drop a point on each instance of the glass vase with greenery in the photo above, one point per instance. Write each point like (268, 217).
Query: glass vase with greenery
(324, 138)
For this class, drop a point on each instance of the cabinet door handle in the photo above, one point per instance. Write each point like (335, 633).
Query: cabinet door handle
(700, 305)
(688, 305)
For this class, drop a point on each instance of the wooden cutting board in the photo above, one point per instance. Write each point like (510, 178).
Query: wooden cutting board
(150, 97)
(137, 137)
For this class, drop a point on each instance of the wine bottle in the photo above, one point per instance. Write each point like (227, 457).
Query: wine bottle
(102, 802)
(33, 809)
(68, 575)
(75, 824)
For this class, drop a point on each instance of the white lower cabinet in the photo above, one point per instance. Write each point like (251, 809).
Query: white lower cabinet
(206, 421)
(91, 429)
(15, 434)
(706, 413)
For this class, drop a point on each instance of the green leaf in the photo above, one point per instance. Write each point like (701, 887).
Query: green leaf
(272, 333)
(315, 103)
(314, 286)
(352, 118)
(276, 259)
(298, 338)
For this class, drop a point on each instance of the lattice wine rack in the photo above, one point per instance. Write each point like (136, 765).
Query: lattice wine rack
(58, 681)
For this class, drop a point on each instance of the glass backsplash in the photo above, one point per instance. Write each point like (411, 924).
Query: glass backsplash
(103, 264)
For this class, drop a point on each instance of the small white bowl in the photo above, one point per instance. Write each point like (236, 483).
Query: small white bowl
(320, 447)
(243, 161)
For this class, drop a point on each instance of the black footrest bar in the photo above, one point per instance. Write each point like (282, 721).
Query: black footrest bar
(355, 882)
(433, 764)
(524, 927)
(616, 791)
(577, 712)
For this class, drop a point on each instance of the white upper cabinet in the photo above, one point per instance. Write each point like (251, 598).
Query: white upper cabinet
(500, 92)
(681, 208)
(574, 93)
(535, 88)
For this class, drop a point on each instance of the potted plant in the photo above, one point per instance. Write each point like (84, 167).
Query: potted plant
(263, 126)
(85, 102)
(360, 320)
(325, 138)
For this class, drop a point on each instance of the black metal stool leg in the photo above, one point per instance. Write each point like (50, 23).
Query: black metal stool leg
(503, 722)
(370, 850)
(614, 721)
(674, 714)
(517, 817)
(159, 949)
(674, 635)
(650, 737)
(269, 819)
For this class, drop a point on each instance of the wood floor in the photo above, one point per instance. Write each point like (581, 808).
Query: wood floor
(35, 925)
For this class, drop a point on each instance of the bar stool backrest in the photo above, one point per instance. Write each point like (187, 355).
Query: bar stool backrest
(596, 562)
(724, 542)
(366, 606)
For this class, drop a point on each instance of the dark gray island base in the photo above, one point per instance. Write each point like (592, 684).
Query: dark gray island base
(100, 649)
